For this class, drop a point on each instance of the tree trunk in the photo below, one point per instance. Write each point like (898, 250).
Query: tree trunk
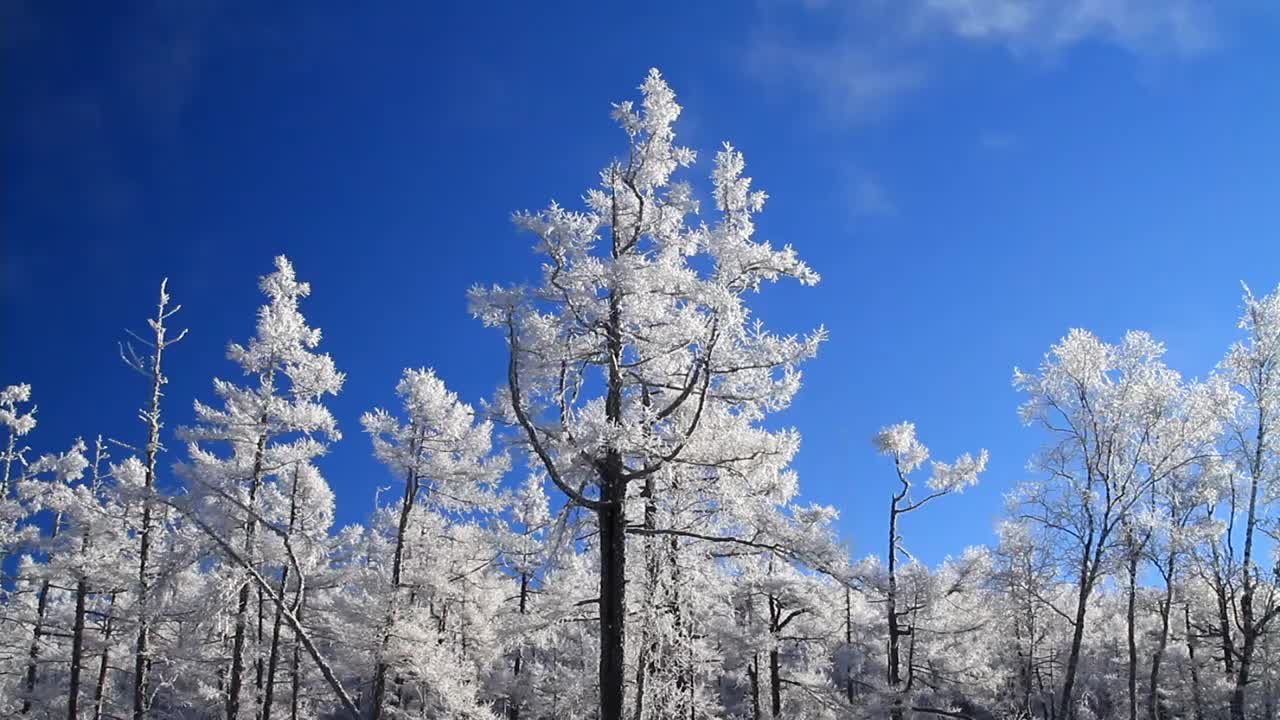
(613, 606)
(848, 644)
(1224, 620)
(1162, 643)
(775, 683)
(513, 704)
(236, 680)
(295, 677)
(141, 656)
(1249, 628)
(33, 656)
(99, 691)
(274, 658)
(237, 655)
(1030, 668)
(259, 667)
(894, 666)
(648, 648)
(1238, 699)
(37, 633)
(1225, 633)
(1130, 631)
(1066, 707)
(411, 487)
(141, 645)
(612, 518)
(77, 651)
(1196, 696)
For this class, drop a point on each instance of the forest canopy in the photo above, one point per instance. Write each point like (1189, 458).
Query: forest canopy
(618, 532)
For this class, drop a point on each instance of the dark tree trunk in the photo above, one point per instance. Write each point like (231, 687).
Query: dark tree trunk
(775, 683)
(1162, 643)
(1088, 566)
(1224, 619)
(236, 681)
(77, 651)
(295, 677)
(141, 649)
(1197, 698)
(1131, 630)
(141, 652)
(411, 488)
(37, 633)
(33, 656)
(99, 691)
(259, 666)
(1250, 628)
(612, 518)
(848, 644)
(1238, 698)
(894, 665)
(513, 704)
(237, 655)
(613, 606)
(274, 658)
(648, 648)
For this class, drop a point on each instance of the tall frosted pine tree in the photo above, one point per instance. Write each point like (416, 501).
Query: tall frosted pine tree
(637, 350)
(271, 426)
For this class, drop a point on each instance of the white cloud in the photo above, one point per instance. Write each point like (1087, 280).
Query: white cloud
(1139, 26)
(868, 197)
(862, 56)
(851, 83)
(997, 140)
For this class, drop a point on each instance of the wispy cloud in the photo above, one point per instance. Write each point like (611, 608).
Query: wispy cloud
(852, 83)
(998, 140)
(868, 197)
(160, 61)
(861, 57)
(80, 136)
(1142, 27)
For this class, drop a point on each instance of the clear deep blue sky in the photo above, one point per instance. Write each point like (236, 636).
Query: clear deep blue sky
(971, 179)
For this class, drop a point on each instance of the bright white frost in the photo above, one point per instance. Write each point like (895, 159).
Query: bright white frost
(17, 421)
(440, 442)
(697, 371)
(899, 441)
(1152, 515)
(1250, 368)
(282, 412)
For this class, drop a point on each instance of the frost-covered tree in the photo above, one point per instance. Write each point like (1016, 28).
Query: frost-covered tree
(900, 443)
(444, 455)
(150, 367)
(676, 570)
(527, 549)
(1252, 448)
(271, 428)
(1121, 423)
(44, 488)
(637, 350)
(18, 421)
(1027, 592)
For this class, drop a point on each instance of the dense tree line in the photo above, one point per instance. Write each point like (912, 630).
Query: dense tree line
(617, 533)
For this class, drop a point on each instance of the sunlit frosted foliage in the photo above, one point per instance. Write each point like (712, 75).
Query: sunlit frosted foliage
(620, 532)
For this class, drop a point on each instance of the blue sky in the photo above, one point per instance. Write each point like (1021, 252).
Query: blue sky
(971, 177)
